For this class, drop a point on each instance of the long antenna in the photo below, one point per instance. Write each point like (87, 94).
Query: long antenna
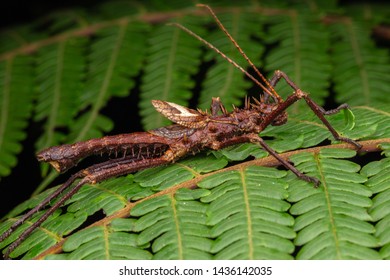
(222, 54)
(267, 89)
(274, 93)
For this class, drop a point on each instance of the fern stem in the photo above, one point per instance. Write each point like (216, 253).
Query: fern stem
(248, 214)
(329, 207)
(56, 95)
(177, 227)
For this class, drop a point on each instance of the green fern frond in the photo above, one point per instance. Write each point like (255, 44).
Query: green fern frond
(333, 221)
(244, 28)
(16, 95)
(379, 183)
(165, 177)
(302, 53)
(48, 235)
(240, 213)
(247, 214)
(361, 71)
(241, 152)
(116, 56)
(369, 123)
(60, 74)
(110, 242)
(168, 70)
(175, 226)
(109, 197)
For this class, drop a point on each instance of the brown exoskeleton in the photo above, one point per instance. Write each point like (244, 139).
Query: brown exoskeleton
(193, 131)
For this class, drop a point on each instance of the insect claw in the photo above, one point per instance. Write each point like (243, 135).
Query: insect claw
(313, 180)
(350, 141)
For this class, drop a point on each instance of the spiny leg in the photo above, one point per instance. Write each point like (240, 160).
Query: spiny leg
(91, 175)
(317, 109)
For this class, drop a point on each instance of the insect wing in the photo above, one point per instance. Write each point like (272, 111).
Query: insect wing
(179, 114)
(173, 131)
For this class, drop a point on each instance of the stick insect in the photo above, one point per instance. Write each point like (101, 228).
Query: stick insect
(192, 131)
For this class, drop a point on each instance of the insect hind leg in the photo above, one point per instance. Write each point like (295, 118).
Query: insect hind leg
(41, 205)
(50, 211)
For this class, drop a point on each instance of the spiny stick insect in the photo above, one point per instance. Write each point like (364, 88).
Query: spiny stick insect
(192, 131)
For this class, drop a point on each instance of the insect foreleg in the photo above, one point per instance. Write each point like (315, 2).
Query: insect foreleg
(317, 109)
(320, 112)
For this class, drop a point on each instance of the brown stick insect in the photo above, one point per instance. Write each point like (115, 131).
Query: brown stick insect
(192, 131)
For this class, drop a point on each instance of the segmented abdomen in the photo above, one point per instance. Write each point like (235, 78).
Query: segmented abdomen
(136, 145)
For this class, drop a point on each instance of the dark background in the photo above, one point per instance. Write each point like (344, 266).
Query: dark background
(25, 177)
(17, 12)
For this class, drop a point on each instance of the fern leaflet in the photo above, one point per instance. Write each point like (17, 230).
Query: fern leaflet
(333, 221)
(16, 84)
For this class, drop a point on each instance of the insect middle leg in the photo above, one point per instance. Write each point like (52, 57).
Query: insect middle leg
(285, 163)
(256, 139)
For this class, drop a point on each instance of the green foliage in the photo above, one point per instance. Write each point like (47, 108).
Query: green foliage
(60, 74)
(247, 214)
(116, 55)
(212, 205)
(244, 213)
(378, 171)
(302, 53)
(332, 222)
(168, 70)
(16, 98)
(244, 28)
(360, 68)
